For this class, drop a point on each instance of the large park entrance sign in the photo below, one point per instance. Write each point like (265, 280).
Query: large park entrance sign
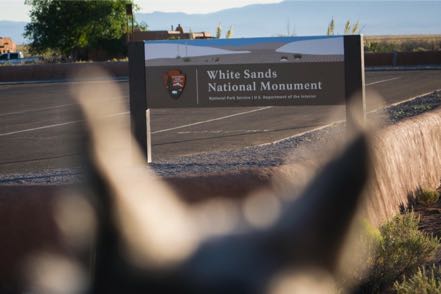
(280, 71)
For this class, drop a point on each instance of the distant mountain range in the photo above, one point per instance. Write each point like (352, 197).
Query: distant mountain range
(310, 18)
(295, 17)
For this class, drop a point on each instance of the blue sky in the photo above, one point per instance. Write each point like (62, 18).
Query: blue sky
(304, 18)
(16, 10)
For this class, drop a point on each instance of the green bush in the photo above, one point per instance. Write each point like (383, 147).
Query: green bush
(427, 197)
(401, 249)
(422, 282)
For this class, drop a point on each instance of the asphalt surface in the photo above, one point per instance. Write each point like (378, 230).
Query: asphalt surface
(40, 125)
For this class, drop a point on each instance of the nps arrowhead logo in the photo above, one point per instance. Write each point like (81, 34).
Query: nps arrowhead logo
(174, 82)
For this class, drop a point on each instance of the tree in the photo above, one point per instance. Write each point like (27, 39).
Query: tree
(290, 29)
(331, 28)
(218, 31)
(354, 29)
(67, 27)
(229, 33)
(140, 26)
(348, 28)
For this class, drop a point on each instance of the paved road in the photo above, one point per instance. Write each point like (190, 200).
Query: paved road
(40, 125)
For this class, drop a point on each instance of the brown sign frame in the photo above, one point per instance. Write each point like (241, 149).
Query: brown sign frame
(140, 114)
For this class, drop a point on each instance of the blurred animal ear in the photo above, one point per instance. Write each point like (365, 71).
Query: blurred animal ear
(316, 224)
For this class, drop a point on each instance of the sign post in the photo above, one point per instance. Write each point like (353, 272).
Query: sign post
(149, 137)
(278, 71)
(354, 81)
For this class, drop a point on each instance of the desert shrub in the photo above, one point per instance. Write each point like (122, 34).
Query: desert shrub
(424, 281)
(401, 249)
(419, 49)
(427, 197)
(402, 45)
(379, 47)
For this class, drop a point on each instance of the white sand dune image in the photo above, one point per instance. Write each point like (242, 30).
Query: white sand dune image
(325, 46)
(163, 50)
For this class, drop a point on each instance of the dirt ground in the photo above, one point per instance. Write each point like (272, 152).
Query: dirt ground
(430, 221)
(430, 218)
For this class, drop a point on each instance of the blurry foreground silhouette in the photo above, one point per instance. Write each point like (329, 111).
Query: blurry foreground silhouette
(126, 231)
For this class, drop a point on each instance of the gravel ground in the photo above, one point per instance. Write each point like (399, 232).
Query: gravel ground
(267, 155)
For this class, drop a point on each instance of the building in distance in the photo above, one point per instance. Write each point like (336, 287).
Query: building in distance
(177, 33)
(7, 45)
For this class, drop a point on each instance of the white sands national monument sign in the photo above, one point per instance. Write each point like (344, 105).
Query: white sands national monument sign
(279, 71)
